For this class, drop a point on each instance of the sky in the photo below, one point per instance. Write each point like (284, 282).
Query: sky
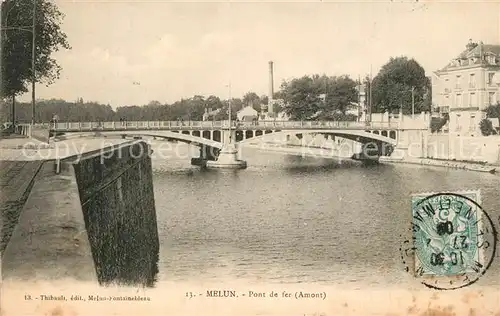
(134, 52)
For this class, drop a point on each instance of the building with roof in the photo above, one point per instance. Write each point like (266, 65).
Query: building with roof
(360, 109)
(466, 86)
(248, 113)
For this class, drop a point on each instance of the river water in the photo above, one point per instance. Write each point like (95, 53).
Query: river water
(292, 219)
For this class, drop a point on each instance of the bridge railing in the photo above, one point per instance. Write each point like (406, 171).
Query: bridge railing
(82, 126)
(319, 124)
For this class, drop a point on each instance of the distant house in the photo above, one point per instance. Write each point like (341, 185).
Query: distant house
(248, 113)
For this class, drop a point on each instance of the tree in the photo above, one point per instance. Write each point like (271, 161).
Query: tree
(17, 21)
(196, 107)
(153, 104)
(213, 102)
(278, 95)
(264, 99)
(437, 123)
(223, 114)
(251, 99)
(393, 85)
(301, 98)
(277, 107)
(319, 97)
(493, 111)
(486, 127)
(340, 94)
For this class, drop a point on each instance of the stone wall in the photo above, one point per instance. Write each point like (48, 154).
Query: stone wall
(466, 148)
(117, 198)
(89, 217)
(438, 146)
(411, 143)
(414, 144)
(417, 121)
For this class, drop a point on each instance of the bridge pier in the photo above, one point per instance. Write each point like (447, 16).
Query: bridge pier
(206, 154)
(228, 155)
(372, 151)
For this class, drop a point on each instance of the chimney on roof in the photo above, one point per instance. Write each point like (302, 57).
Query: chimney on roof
(471, 45)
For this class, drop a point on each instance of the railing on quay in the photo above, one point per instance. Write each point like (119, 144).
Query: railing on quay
(186, 125)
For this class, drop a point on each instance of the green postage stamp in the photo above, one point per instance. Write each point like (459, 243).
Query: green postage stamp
(454, 239)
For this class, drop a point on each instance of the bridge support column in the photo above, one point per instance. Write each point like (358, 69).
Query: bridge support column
(206, 154)
(371, 152)
(228, 155)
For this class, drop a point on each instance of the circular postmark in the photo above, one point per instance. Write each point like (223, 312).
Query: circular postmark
(453, 240)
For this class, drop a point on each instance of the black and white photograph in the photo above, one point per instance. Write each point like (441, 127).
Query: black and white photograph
(249, 158)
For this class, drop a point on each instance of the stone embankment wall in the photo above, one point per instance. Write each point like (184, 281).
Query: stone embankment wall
(88, 218)
(117, 198)
(413, 144)
(464, 148)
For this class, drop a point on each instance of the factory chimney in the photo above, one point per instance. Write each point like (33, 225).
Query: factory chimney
(271, 88)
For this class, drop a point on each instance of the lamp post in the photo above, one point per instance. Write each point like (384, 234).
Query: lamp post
(1, 51)
(1, 46)
(412, 102)
(229, 110)
(368, 117)
(359, 98)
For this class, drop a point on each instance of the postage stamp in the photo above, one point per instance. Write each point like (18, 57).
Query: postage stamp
(454, 239)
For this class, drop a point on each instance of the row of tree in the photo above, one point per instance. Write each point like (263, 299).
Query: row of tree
(399, 84)
(319, 97)
(316, 97)
(80, 111)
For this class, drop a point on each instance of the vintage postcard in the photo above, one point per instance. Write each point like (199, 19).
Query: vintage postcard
(249, 158)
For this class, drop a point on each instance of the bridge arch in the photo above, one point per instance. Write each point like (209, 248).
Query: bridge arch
(355, 135)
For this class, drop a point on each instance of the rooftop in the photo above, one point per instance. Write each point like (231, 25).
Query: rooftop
(476, 54)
